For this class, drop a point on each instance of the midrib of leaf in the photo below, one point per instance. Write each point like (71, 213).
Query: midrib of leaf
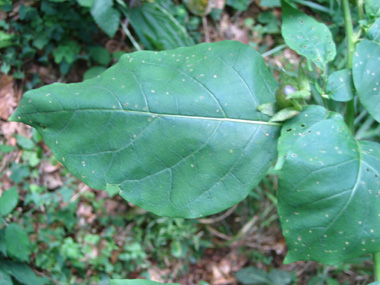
(157, 115)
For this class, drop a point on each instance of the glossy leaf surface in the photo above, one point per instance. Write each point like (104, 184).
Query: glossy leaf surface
(307, 36)
(366, 70)
(329, 199)
(340, 86)
(177, 131)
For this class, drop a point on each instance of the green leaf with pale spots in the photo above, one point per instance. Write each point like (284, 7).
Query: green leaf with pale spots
(329, 197)
(177, 131)
(340, 86)
(366, 73)
(307, 36)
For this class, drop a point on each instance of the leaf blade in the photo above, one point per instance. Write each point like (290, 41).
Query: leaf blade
(307, 36)
(181, 138)
(366, 70)
(323, 187)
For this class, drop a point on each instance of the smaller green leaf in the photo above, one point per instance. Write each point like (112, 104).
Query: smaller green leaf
(105, 16)
(372, 8)
(268, 108)
(8, 201)
(19, 172)
(66, 52)
(280, 277)
(6, 148)
(366, 70)
(100, 55)
(251, 275)
(17, 240)
(307, 37)
(136, 282)
(340, 86)
(284, 114)
(24, 142)
(93, 72)
(374, 31)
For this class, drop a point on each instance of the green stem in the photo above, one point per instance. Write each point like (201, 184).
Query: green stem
(350, 108)
(360, 4)
(376, 264)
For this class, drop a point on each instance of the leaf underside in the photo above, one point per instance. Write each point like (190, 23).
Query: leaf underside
(177, 131)
(329, 189)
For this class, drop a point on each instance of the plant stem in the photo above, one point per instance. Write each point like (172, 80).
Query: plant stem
(350, 107)
(360, 4)
(376, 264)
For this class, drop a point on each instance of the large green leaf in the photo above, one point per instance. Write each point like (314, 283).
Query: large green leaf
(177, 131)
(307, 36)
(366, 71)
(157, 28)
(329, 203)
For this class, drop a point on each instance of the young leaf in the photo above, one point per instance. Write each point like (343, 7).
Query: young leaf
(17, 240)
(340, 86)
(328, 189)
(366, 70)
(136, 282)
(307, 37)
(105, 16)
(8, 201)
(157, 28)
(178, 131)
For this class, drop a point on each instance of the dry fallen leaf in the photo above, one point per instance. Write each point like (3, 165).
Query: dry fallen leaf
(8, 95)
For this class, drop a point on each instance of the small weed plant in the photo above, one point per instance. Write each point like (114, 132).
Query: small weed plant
(190, 132)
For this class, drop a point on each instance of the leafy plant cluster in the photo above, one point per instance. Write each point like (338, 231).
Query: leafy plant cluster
(193, 109)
